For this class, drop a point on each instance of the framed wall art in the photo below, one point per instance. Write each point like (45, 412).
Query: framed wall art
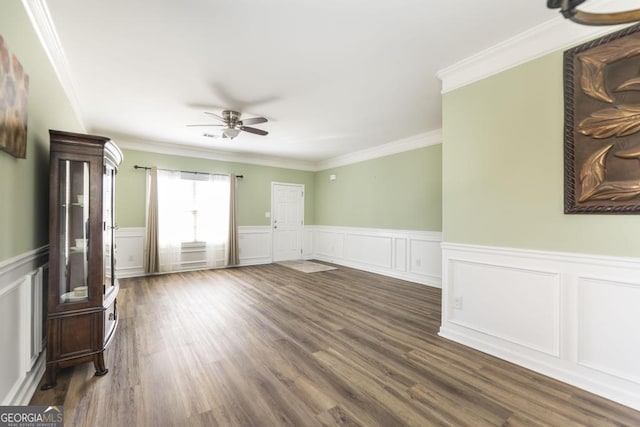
(14, 88)
(602, 124)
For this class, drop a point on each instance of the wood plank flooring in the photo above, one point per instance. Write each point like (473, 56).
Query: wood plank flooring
(270, 346)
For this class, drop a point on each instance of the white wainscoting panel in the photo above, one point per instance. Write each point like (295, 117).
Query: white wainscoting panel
(534, 322)
(328, 245)
(605, 306)
(11, 372)
(254, 247)
(254, 244)
(426, 257)
(307, 243)
(410, 255)
(375, 251)
(573, 317)
(22, 353)
(129, 252)
(400, 250)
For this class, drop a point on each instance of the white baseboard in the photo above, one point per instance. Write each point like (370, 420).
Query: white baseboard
(22, 279)
(573, 317)
(404, 254)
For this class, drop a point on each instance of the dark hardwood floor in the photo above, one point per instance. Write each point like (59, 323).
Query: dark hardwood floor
(270, 346)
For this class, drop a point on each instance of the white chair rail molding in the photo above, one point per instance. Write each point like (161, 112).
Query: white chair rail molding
(572, 317)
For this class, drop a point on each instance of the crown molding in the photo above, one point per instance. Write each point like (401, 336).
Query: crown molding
(550, 36)
(43, 25)
(131, 143)
(406, 144)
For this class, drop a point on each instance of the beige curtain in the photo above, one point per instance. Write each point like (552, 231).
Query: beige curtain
(233, 257)
(152, 258)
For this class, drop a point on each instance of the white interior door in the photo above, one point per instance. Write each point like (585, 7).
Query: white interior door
(287, 220)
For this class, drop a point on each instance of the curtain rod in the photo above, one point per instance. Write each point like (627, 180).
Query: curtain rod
(175, 170)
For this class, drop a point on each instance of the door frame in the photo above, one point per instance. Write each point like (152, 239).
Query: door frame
(271, 224)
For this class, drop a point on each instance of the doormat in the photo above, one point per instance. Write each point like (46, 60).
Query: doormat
(306, 266)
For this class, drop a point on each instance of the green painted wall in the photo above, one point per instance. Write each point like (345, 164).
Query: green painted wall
(254, 190)
(401, 191)
(503, 168)
(24, 191)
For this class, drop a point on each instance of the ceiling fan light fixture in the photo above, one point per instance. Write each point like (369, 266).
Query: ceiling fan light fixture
(232, 125)
(231, 132)
(568, 9)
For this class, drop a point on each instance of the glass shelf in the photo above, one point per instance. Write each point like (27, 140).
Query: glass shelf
(74, 230)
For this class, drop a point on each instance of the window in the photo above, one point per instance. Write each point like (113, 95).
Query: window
(189, 214)
(204, 208)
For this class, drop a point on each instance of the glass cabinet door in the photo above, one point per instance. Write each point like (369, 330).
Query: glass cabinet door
(108, 199)
(74, 231)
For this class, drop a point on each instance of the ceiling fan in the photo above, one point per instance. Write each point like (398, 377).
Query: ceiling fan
(232, 125)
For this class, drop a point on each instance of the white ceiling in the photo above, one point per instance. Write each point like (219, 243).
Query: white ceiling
(332, 76)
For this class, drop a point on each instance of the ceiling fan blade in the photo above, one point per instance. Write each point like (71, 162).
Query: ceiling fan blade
(203, 125)
(214, 115)
(254, 130)
(253, 121)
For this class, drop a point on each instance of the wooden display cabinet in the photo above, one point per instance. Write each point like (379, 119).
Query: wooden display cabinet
(82, 312)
